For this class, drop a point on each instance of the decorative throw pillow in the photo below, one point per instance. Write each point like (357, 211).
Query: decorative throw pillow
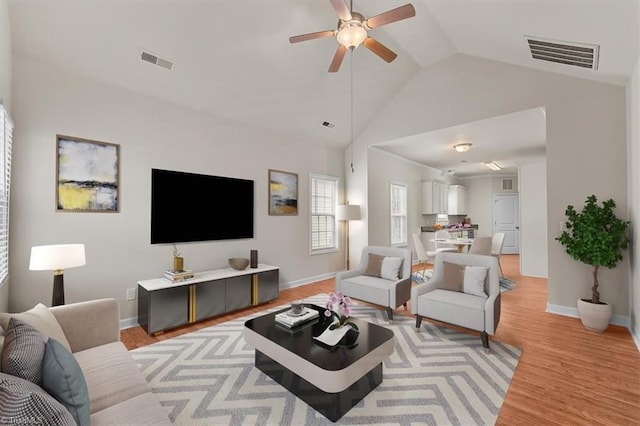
(63, 379)
(23, 351)
(42, 319)
(24, 402)
(391, 268)
(452, 277)
(374, 265)
(474, 277)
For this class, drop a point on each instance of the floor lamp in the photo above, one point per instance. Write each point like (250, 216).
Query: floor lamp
(348, 212)
(57, 258)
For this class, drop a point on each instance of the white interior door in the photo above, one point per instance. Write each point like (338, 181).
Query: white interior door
(505, 219)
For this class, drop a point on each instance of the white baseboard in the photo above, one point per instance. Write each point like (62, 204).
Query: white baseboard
(128, 323)
(636, 337)
(308, 280)
(570, 311)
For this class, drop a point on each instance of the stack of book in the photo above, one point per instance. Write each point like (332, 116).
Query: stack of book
(178, 276)
(289, 321)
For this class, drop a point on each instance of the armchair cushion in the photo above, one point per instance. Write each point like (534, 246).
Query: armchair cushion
(391, 268)
(374, 265)
(452, 278)
(474, 278)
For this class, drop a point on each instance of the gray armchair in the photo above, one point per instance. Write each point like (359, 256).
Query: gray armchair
(466, 310)
(361, 284)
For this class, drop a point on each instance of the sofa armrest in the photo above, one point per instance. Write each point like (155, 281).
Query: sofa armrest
(420, 289)
(89, 324)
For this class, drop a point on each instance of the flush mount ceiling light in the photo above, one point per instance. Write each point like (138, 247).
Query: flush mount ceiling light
(462, 147)
(493, 166)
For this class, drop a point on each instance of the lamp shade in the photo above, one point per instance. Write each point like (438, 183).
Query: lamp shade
(348, 212)
(56, 257)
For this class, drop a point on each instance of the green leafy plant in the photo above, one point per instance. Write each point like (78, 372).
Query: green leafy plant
(176, 253)
(595, 236)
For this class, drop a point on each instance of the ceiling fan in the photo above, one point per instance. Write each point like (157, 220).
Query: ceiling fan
(352, 30)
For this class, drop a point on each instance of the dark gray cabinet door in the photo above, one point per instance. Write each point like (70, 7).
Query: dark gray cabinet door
(210, 299)
(268, 286)
(168, 308)
(238, 292)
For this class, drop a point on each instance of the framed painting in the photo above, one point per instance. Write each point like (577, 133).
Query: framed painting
(87, 175)
(283, 193)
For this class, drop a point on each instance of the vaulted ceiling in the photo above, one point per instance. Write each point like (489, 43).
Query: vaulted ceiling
(233, 58)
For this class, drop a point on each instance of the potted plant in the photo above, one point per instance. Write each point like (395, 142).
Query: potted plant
(596, 237)
(178, 260)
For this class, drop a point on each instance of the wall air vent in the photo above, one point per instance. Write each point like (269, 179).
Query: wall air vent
(563, 52)
(507, 184)
(156, 60)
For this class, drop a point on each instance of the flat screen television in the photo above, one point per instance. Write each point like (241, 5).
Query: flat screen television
(193, 207)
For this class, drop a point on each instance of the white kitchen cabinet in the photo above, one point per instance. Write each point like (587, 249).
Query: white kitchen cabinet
(434, 197)
(458, 199)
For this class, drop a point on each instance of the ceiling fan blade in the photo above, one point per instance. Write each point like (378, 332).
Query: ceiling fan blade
(393, 15)
(337, 59)
(311, 36)
(379, 49)
(341, 9)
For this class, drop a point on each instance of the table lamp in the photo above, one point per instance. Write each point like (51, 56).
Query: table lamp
(57, 258)
(348, 212)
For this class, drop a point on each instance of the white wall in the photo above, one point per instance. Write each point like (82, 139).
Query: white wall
(5, 55)
(5, 99)
(151, 133)
(385, 168)
(480, 199)
(633, 120)
(586, 144)
(533, 223)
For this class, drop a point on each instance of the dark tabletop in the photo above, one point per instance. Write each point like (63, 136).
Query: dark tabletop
(299, 339)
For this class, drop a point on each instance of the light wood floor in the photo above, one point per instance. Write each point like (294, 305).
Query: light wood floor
(567, 375)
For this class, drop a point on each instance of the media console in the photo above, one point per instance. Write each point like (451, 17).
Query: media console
(163, 305)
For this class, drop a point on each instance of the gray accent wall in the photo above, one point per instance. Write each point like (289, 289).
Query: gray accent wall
(586, 146)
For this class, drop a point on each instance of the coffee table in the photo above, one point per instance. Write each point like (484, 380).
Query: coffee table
(331, 380)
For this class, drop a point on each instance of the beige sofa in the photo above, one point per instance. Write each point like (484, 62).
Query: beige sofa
(118, 392)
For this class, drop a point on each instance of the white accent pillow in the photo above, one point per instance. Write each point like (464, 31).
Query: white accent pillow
(473, 282)
(391, 268)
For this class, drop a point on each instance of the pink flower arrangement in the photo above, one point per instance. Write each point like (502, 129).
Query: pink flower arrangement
(459, 226)
(339, 306)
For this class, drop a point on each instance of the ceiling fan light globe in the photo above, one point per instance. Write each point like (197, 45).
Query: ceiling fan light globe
(351, 35)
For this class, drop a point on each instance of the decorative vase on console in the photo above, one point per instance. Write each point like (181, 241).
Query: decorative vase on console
(178, 260)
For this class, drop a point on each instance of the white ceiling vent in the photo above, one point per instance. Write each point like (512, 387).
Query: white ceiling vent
(563, 52)
(156, 60)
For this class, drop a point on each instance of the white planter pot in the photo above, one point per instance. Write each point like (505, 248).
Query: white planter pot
(595, 317)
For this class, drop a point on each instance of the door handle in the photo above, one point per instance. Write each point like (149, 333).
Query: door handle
(517, 228)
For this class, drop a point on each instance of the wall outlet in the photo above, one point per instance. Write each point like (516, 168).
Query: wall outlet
(131, 294)
(563, 226)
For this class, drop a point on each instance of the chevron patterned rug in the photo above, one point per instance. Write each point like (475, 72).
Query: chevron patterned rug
(436, 376)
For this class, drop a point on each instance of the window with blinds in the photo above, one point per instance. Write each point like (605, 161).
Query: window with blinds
(6, 138)
(398, 214)
(324, 190)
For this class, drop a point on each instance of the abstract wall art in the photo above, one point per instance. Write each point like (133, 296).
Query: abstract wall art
(87, 175)
(283, 193)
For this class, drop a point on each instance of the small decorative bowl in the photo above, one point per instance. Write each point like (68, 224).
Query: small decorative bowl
(239, 263)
